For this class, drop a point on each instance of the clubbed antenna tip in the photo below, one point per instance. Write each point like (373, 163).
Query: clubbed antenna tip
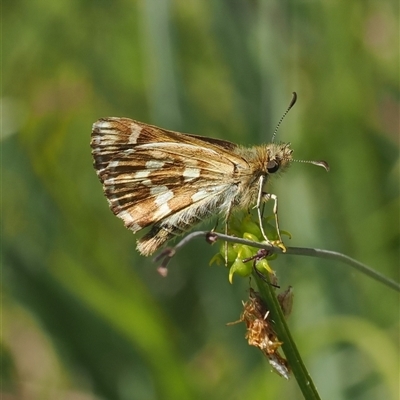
(320, 163)
(292, 103)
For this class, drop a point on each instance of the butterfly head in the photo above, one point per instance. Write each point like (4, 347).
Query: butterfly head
(278, 158)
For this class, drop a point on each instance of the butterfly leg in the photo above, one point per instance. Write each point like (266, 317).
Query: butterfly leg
(274, 197)
(267, 196)
(275, 211)
(260, 197)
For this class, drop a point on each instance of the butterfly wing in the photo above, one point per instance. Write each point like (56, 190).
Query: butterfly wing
(151, 174)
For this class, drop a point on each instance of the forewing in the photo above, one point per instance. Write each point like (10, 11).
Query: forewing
(149, 173)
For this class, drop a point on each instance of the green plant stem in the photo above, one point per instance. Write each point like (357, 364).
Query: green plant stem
(303, 378)
(167, 254)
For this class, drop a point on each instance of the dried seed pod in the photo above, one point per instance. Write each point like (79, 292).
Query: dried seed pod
(260, 332)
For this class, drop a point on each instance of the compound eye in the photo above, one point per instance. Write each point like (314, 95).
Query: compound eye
(272, 166)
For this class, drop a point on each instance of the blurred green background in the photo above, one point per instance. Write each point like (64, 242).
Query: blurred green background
(83, 315)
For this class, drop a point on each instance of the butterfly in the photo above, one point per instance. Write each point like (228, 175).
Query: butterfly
(170, 181)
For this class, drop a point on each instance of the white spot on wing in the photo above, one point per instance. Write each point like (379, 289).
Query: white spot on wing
(147, 182)
(164, 197)
(200, 195)
(96, 140)
(109, 181)
(158, 190)
(141, 174)
(101, 125)
(190, 173)
(129, 221)
(154, 164)
(113, 164)
(136, 129)
(161, 212)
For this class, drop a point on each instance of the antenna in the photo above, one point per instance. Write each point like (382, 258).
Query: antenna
(292, 103)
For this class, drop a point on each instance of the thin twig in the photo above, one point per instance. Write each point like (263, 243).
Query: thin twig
(211, 237)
